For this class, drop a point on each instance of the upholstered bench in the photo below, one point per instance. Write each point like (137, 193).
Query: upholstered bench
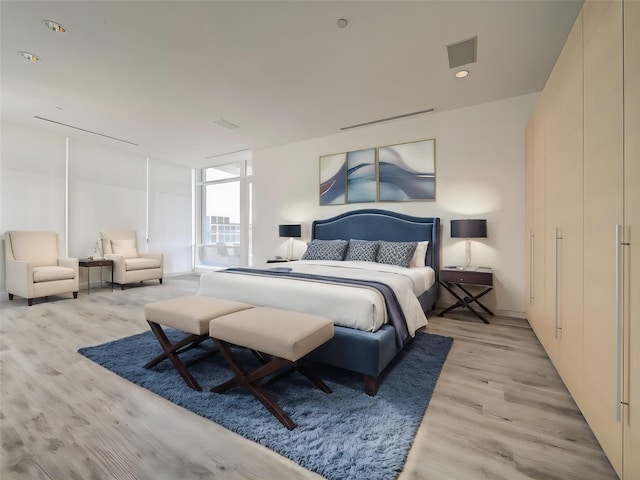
(285, 335)
(189, 314)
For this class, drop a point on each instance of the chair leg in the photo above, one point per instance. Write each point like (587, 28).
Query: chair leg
(75, 294)
(11, 296)
(160, 281)
(29, 301)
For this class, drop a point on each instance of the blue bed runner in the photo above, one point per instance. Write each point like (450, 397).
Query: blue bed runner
(394, 311)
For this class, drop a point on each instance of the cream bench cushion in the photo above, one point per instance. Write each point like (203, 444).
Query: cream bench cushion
(191, 313)
(281, 333)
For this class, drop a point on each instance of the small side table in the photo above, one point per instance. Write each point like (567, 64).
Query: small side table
(278, 260)
(452, 278)
(88, 263)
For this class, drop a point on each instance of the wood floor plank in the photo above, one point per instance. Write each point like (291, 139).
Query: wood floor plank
(499, 410)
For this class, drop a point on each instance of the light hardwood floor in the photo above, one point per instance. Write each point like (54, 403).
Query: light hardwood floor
(499, 410)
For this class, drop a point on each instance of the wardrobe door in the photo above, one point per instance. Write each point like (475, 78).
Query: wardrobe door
(603, 218)
(631, 262)
(535, 211)
(557, 274)
(564, 215)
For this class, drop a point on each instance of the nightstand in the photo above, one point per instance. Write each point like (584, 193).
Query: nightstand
(458, 279)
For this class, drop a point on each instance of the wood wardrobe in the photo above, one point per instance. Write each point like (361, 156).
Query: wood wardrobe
(583, 223)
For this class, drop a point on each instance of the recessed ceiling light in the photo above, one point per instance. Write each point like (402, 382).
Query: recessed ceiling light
(55, 26)
(30, 56)
(462, 73)
(342, 22)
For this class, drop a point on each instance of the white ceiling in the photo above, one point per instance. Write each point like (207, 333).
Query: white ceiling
(158, 73)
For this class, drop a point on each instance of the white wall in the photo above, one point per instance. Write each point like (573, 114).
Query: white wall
(170, 219)
(479, 173)
(107, 189)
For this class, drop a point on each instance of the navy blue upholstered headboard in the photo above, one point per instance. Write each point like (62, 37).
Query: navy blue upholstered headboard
(374, 224)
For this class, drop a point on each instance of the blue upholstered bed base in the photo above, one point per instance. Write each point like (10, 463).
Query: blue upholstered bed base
(369, 353)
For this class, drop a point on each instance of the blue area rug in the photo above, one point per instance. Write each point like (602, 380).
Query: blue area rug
(343, 435)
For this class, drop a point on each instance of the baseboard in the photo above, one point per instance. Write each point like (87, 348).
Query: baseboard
(186, 272)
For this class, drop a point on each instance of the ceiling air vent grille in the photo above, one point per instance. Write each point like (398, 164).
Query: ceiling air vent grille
(221, 122)
(463, 53)
(388, 119)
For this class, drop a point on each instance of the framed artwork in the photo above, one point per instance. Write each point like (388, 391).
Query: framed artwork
(361, 176)
(333, 179)
(407, 172)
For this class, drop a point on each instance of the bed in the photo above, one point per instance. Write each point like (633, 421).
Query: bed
(367, 333)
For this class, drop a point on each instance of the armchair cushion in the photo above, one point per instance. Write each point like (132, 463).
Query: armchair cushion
(125, 247)
(141, 263)
(49, 274)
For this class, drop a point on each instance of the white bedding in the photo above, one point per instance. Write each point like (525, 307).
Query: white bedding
(357, 307)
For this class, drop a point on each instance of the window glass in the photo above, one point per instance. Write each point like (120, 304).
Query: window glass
(224, 226)
(222, 172)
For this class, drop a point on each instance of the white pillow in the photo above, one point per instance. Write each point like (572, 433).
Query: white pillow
(126, 248)
(418, 256)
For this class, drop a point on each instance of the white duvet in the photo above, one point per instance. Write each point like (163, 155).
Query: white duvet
(351, 306)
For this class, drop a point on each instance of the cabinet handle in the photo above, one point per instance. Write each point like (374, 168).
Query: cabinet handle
(618, 323)
(531, 240)
(557, 315)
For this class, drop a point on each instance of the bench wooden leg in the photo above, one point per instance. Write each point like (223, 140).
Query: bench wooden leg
(172, 352)
(294, 366)
(250, 380)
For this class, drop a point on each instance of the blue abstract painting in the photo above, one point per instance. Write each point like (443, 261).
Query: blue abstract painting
(333, 179)
(407, 172)
(361, 176)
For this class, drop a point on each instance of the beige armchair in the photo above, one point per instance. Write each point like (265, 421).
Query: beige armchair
(129, 265)
(34, 268)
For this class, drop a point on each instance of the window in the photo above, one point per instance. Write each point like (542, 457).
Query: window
(224, 214)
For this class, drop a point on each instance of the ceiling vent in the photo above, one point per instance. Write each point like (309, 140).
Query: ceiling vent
(388, 119)
(224, 124)
(463, 53)
(85, 130)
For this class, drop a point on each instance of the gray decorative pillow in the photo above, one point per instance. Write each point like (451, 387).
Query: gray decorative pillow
(396, 253)
(362, 251)
(325, 250)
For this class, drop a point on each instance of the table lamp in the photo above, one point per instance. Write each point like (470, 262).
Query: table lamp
(291, 232)
(468, 228)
